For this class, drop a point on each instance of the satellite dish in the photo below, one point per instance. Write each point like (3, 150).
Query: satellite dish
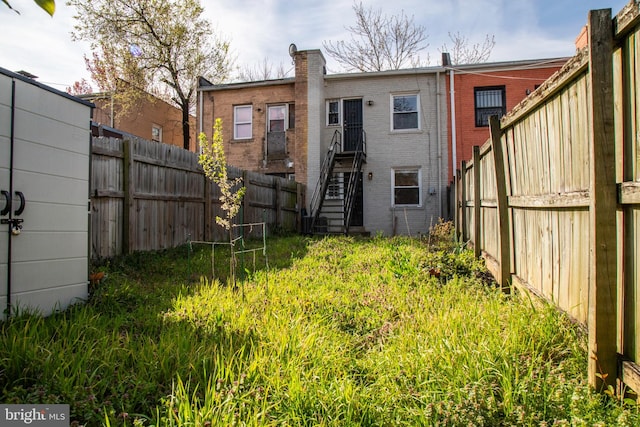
(292, 49)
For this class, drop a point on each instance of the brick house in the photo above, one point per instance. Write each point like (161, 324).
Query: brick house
(155, 121)
(477, 91)
(372, 148)
(385, 134)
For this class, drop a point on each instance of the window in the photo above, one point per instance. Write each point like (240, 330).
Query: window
(407, 189)
(405, 112)
(333, 113)
(489, 101)
(242, 128)
(277, 113)
(156, 133)
(336, 184)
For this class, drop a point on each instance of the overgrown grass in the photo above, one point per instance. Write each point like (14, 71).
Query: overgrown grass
(337, 332)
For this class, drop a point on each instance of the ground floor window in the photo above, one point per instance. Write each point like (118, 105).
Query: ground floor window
(406, 186)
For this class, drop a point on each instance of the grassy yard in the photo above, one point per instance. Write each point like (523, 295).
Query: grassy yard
(337, 332)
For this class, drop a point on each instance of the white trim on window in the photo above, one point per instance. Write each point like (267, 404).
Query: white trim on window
(156, 132)
(242, 122)
(408, 112)
(333, 116)
(411, 182)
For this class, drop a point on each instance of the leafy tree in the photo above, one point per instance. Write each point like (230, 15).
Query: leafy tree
(48, 6)
(379, 42)
(214, 164)
(81, 87)
(156, 46)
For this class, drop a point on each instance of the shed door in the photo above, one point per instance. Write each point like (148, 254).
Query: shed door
(44, 169)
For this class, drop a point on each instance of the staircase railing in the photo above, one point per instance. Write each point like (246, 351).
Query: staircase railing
(326, 170)
(354, 180)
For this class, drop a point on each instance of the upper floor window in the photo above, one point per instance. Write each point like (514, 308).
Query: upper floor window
(277, 114)
(405, 112)
(156, 133)
(407, 186)
(242, 126)
(333, 113)
(489, 101)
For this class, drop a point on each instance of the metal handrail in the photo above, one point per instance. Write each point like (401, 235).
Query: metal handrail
(323, 180)
(352, 187)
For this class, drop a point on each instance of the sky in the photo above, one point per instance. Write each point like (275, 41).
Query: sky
(258, 29)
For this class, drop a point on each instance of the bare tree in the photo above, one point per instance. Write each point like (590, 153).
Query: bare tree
(157, 46)
(379, 42)
(261, 71)
(461, 52)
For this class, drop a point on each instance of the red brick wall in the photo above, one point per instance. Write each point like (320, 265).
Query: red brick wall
(516, 83)
(139, 120)
(248, 154)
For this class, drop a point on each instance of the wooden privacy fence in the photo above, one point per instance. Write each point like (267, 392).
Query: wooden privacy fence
(552, 199)
(149, 196)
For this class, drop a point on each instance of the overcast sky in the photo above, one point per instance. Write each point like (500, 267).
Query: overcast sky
(523, 29)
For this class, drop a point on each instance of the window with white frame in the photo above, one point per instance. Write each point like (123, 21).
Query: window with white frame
(156, 133)
(277, 114)
(333, 113)
(405, 109)
(242, 125)
(407, 186)
(336, 185)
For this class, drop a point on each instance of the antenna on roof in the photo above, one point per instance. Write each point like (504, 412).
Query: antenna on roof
(292, 50)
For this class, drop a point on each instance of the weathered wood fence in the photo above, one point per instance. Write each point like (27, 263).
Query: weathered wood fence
(552, 199)
(150, 196)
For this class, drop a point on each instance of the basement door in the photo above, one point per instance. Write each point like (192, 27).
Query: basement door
(44, 184)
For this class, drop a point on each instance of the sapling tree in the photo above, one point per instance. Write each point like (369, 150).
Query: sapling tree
(214, 164)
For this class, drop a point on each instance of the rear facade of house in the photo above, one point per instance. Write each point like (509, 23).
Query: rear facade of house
(370, 147)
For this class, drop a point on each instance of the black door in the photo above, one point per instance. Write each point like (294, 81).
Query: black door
(357, 219)
(352, 124)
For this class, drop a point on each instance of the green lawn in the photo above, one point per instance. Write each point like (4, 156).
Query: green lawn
(337, 332)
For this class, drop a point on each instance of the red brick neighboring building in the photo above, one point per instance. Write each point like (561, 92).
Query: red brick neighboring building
(477, 91)
(155, 121)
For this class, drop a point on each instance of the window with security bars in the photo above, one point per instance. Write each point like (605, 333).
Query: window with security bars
(489, 101)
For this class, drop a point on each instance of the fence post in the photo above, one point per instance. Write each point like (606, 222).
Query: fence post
(463, 201)
(602, 314)
(278, 202)
(128, 211)
(504, 226)
(477, 202)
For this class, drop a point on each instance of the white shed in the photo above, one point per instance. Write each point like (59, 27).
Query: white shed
(44, 183)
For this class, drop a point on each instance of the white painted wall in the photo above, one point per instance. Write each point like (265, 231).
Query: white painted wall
(51, 167)
(387, 149)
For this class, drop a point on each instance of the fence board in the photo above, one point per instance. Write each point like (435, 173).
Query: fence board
(150, 196)
(571, 156)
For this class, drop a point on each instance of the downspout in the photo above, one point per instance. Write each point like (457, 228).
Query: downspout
(201, 111)
(113, 120)
(454, 144)
(439, 141)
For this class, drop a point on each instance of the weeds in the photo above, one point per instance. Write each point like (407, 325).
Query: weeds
(351, 332)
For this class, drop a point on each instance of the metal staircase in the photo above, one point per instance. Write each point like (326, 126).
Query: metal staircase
(356, 157)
